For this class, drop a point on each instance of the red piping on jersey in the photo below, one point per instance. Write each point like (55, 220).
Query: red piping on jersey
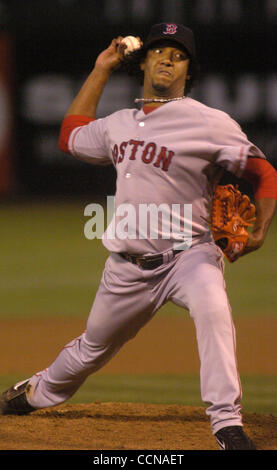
(69, 123)
(263, 177)
(73, 140)
(237, 167)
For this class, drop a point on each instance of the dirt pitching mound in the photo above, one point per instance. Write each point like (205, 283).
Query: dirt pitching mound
(124, 426)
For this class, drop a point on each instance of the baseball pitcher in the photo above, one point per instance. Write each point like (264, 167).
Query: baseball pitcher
(167, 150)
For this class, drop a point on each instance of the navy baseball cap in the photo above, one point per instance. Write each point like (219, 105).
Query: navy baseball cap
(172, 32)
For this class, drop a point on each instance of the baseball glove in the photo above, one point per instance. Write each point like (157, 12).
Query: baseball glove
(231, 215)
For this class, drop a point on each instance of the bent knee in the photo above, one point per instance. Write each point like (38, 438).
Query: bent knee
(211, 304)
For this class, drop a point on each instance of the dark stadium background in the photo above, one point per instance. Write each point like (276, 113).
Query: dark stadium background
(53, 47)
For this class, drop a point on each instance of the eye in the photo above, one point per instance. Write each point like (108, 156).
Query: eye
(158, 51)
(180, 56)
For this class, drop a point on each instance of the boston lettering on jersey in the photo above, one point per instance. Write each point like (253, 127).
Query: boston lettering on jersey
(160, 157)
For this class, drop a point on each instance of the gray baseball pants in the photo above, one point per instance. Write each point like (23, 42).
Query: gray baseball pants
(127, 298)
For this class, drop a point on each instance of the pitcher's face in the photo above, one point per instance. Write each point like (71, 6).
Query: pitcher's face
(165, 71)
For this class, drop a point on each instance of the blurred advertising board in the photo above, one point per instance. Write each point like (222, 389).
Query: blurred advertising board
(7, 177)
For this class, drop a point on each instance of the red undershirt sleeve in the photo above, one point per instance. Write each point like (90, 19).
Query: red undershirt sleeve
(69, 123)
(263, 177)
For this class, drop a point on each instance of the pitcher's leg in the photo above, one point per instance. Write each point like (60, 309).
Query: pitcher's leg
(114, 319)
(201, 289)
(220, 382)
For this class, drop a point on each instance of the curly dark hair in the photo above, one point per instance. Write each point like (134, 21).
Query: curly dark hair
(131, 65)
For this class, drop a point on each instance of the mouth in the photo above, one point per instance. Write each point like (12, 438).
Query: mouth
(164, 72)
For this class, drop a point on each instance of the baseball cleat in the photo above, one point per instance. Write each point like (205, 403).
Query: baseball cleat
(234, 438)
(14, 401)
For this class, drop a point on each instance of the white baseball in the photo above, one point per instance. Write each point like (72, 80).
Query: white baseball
(132, 44)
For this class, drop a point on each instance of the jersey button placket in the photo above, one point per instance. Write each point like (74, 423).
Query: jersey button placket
(140, 125)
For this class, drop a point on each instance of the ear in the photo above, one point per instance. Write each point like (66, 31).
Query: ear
(142, 65)
(188, 77)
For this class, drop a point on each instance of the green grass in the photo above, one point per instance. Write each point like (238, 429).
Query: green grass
(48, 267)
(251, 281)
(259, 392)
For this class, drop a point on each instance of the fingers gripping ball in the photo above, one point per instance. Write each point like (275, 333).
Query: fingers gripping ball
(132, 44)
(231, 215)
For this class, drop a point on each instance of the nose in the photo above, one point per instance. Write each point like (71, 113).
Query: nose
(166, 60)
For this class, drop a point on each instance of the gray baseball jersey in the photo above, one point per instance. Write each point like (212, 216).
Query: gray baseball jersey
(171, 155)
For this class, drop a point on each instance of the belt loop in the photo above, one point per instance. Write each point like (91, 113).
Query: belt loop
(171, 255)
(168, 256)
